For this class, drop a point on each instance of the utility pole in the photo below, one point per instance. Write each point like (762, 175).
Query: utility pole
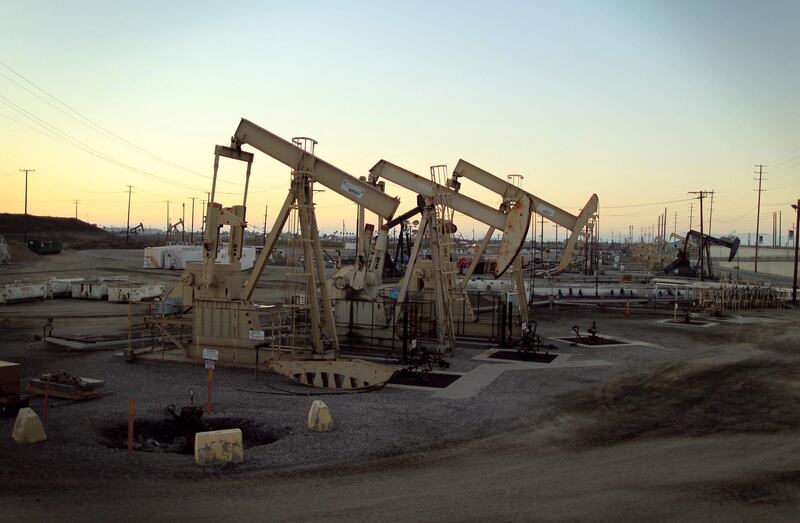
(780, 229)
(701, 195)
(183, 221)
(541, 241)
(167, 233)
(203, 220)
(758, 212)
(76, 202)
(675, 226)
(25, 220)
(128, 228)
(191, 233)
(266, 211)
(659, 227)
(556, 228)
(691, 208)
(774, 225)
(796, 208)
(710, 213)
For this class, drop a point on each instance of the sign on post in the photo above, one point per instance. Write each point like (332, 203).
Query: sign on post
(210, 356)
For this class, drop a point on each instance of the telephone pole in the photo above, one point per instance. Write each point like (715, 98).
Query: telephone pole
(25, 220)
(191, 233)
(266, 208)
(701, 257)
(167, 233)
(691, 208)
(203, 221)
(710, 213)
(675, 226)
(128, 228)
(183, 221)
(758, 212)
(76, 202)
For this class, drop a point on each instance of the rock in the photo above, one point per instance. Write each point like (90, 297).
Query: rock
(28, 427)
(319, 417)
(217, 447)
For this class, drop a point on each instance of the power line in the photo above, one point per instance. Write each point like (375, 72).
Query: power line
(74, 142)
(91, 124)
(645, 204)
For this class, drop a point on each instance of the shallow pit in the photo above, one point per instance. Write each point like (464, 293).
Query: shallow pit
(167, 435)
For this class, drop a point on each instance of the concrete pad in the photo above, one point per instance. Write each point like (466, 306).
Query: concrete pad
(28, 427)
(218, 447)
(471, 383)
(319, 417)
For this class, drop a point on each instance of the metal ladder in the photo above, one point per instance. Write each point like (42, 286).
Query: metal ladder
(445, 271)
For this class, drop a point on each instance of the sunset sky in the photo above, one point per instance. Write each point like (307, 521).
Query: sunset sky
(637, 101)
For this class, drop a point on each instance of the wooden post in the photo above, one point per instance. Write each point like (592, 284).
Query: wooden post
(46, 398)
(208, 393)
(130, 425)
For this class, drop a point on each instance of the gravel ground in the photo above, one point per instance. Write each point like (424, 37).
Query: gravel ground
(368, 425)
(389, 425)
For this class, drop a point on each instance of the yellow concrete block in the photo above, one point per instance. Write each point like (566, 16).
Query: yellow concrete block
(319, 417)
(218, 447)
(28, 427)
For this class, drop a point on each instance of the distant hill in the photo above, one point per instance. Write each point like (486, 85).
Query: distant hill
(69, 230)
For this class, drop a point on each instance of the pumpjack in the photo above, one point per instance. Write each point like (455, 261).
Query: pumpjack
(696, 242)
(220, 296)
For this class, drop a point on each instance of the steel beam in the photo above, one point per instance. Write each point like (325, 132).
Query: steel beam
(416, 183)
(328, 175)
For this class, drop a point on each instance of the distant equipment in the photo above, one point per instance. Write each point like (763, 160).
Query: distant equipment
(698, 245)
(45, 246)
(137, 230)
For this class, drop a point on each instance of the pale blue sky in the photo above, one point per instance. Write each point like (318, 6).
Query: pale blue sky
(637, 101)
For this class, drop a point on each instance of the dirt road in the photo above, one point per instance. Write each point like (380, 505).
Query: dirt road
(510, 477)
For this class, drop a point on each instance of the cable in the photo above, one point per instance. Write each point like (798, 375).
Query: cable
(647, 204)
(74, 142)
(91, 124)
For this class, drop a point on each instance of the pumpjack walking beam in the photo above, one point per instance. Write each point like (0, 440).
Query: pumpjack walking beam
(513, 223)
(355, 190)
(575, 224)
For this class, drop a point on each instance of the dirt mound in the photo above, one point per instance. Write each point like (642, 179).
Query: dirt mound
(15, 224)
(682, 399)
(20, 253)
(74, 233)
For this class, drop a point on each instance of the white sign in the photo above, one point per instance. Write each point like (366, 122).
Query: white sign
(256, 335)
(545, 210)
(210, 354)
(353, 189)
(209, 364)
